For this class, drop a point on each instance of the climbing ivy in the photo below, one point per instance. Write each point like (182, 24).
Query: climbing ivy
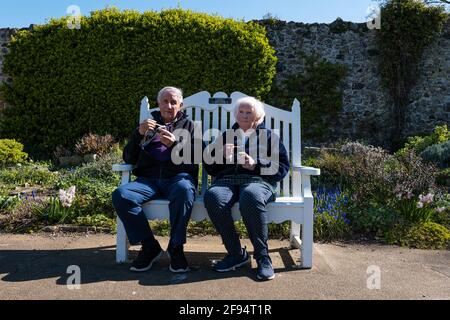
(407, 27)
(319, 89)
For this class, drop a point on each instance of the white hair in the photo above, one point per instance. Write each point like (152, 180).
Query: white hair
(258, 108)
(175, 91)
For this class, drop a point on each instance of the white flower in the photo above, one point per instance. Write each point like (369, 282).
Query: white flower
(419, 204)
(440, 209)
(426, 199)
(409, 195)
(67, 197)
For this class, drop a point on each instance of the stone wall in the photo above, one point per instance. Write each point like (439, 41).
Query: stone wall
(367, 106)
(430, 99)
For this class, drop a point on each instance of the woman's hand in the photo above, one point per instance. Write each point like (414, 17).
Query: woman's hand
(228, 151)
(146, 125)
(167, 137)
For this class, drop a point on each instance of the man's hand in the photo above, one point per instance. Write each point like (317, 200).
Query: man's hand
(146, 125)
(167, 137)
(247, 162)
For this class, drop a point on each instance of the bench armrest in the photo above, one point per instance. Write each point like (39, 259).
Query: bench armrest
(309, 171)
(126, 171)
(122, 167)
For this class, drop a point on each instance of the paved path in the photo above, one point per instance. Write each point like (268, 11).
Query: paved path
(35, 267)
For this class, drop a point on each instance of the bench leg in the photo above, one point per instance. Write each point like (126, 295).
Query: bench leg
(307, 240)
(121, 243)
(295, 240)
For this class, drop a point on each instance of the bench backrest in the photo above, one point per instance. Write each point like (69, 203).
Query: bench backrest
(217, 112)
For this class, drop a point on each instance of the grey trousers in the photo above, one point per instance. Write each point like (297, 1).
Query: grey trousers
(252, 198)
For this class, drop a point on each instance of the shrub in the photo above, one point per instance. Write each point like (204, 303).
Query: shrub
(443, 178)
(204, 227)
(374, 178)
(97, 220)
(373, 219)
(160, 228)
(24, 217)
(279, 230)
(93, 143)
(31, 174)
(8, 203)
(101, 72)
(332, 169)
(428, 235)
(416, 211)
(11, 152)
(60, 151)
(442, 205)
(409, 173)
(438, 153)
(374, 175)
(418, 144)
(365, 172)
(90, 175)
(95, 182)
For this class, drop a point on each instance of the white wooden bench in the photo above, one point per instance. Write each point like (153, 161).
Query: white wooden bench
(295, 200)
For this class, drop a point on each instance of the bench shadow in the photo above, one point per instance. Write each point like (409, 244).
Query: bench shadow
(98, 265)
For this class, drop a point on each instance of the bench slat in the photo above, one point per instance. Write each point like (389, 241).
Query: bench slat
(283, 209)
(287, 179)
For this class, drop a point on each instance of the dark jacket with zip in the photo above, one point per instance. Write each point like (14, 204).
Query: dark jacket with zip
(218, 170)
(148, 166)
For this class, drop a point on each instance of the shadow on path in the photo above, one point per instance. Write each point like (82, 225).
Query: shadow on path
(98, 264)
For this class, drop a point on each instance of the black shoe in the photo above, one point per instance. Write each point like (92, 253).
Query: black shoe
(178, 262)
(146, 257)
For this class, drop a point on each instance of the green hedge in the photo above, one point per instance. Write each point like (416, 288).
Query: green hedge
(70, 82)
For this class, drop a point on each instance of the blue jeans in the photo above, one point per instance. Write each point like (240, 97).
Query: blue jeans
(252, 198)
(128, 199)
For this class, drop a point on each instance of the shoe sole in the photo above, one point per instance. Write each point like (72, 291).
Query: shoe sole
(176, 270)
(264, 279)
(233, 267)
(134, 269)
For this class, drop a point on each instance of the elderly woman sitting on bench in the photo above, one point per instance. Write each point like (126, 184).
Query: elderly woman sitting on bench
(245, 174)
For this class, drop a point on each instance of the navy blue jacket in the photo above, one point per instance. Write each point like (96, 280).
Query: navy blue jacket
(219, 170)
